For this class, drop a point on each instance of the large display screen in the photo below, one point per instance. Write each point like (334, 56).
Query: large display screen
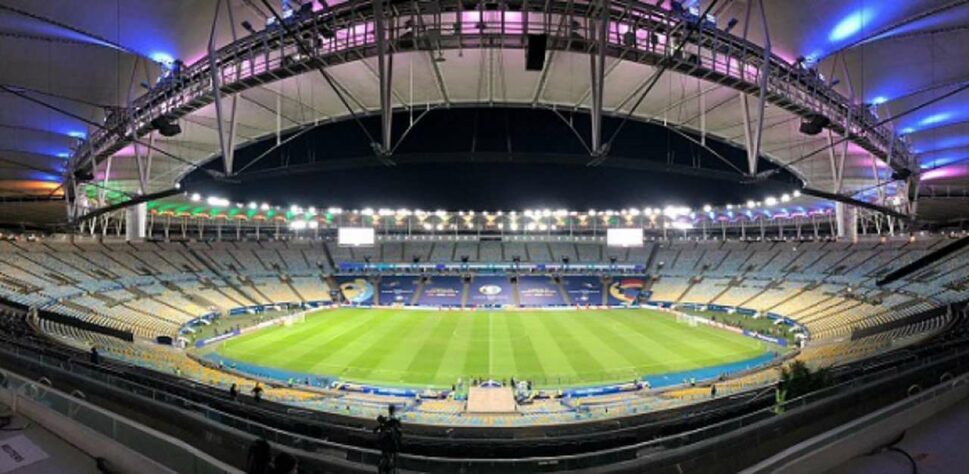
(356, 236)
(624, 237)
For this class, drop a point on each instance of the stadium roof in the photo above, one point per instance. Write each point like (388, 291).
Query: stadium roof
(69, 65)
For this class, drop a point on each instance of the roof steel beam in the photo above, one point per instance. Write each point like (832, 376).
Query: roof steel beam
(713, 55)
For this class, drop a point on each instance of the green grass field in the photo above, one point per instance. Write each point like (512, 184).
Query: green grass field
(435, 348)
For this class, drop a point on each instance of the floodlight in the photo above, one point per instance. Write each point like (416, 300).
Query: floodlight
(264, 206)
(196, 197)
(770, 201)
(707, 208)
(253, 205)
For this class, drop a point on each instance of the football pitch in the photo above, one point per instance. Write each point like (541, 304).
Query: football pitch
(436, 348)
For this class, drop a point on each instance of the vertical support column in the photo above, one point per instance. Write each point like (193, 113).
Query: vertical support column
(385, 72)
(597, 78)
(215, 73)
(846, 218)
(136, 220)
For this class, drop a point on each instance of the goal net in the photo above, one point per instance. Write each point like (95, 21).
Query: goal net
(686, 319)
(294, 319)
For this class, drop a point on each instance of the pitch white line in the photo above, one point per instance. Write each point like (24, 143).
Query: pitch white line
(491, 345)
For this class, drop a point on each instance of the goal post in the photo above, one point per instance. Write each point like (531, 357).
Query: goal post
(294, 319)
(686, 319)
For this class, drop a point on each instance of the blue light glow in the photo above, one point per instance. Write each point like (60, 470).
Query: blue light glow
(879, 100)
(941, 161)
(850, 25)
(76, 134)
(63, 154)
(907, 130)
(162, 58)
(935, 118)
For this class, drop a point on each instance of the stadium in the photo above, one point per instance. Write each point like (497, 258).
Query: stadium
(276, 236)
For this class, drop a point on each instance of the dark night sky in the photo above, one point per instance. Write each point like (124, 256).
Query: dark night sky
(439, 170)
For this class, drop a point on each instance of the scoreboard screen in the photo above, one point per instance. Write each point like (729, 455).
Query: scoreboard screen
(356, 236)
(624, 237)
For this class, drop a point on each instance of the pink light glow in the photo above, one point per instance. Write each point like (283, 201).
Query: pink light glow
(945, 173)
(126, 151)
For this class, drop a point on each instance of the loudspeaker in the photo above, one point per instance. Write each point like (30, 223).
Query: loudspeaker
(166, 127)
(815, 125)
(535, 54)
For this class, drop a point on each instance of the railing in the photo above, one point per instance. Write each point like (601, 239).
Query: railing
(637, 32)
(849, 431)
(416, 462)
(169, 452)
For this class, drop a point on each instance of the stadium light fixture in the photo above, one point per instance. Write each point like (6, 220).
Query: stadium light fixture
(217, 201)
(797, 193)
(196, 197)
(770, 201)
(253, 205)
(751, 204)
(264, 206)
(785, 197)
(707, 208)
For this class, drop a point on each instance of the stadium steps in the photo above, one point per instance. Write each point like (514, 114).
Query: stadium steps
(228, 296)
(103, 273)
(653, 250)
(565, 294)
(730, 285)
(605, 288)
(134, 253)
(789, 298)
(828, 303)
(228, 280)
(743, 265)
(282, 260)
(248, 283)
(329, 260)
(516, 297)
(464, 294)
(693, 281)
(376, 289)
(757, 295)
(47, 274)
(268, 267)
(716, 268)
(289, 283)
(418, 291)
(301, 255)
(676, 257)
(766, 264)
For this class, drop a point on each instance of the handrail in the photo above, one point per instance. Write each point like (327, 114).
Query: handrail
(74, 405)
(336, 32)
(678, 439)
